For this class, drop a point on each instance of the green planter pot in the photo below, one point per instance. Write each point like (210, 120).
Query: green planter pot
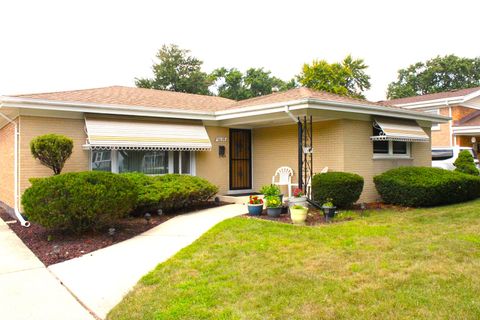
(298, 216)
(255, 209)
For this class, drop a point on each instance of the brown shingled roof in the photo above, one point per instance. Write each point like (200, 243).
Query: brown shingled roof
(298, 94)
(431, 96)
(128, 96)
(118, 95)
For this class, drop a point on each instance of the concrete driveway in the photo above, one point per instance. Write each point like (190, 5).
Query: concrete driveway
(100, 279)
(27, 289)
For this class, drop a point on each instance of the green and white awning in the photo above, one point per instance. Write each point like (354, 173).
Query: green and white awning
(392, 129)
(120, 133)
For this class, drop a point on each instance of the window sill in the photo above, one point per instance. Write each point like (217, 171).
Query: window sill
(387, 157)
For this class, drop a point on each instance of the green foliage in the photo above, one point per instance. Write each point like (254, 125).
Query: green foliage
(273, 201)
(79, 201)
(465, 163)
(341, 188)
(52, 150)
(347, 78)
(177, 71)
(436, 75)
(270, 190)
(424, 186)
(233, 84)
(170, 191)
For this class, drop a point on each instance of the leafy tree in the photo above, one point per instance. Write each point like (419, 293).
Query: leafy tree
(465, 163)
(346, 78)
(176, 71)
(436, 75)
(233, 84)
(52, 150)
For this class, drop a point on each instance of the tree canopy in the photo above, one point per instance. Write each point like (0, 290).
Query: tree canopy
(178, 71)
(346, 78)
(233, 84)
(436, 75)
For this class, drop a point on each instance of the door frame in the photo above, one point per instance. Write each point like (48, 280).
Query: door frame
(239, 190)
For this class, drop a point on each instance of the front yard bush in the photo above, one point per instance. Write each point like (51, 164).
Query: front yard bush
(341, 188)
(425, 187)
(79, 201)
(465, 163)
(170, 191)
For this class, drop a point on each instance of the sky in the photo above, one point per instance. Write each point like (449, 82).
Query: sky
(66, 45)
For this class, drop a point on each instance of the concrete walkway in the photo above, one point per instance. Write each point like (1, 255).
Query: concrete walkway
(101, 279)
(27, 289)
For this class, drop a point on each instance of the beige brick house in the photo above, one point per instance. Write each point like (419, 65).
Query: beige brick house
(462, 106)
(236, 145)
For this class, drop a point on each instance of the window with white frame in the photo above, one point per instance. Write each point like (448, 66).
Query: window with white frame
(146, 161)
(435, 112)
(389, 149)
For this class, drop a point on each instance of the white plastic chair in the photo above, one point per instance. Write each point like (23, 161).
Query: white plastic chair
(284, 178)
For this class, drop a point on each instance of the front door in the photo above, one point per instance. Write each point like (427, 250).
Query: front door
(240, 159)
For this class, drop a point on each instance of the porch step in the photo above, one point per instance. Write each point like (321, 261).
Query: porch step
(237, 199)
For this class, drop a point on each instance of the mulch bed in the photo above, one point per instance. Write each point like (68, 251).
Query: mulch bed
(316, 217)
(53, 246)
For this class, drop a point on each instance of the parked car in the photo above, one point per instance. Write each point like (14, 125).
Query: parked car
(445, 157)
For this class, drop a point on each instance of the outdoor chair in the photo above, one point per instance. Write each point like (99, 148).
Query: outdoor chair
(284, 178)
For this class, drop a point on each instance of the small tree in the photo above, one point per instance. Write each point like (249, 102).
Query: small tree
(52, 150)
(465, 163)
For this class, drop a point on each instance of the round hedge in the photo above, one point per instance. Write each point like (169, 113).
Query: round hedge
(79, 201)
(425, 186)
(342, 188)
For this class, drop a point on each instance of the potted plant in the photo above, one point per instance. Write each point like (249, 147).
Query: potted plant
(271, 190)
(298, 214)
(274, 206)
(329, 209)
(299, 198)
(255, 206)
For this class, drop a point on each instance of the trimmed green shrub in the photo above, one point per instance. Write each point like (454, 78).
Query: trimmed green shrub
(341, 188)
(79, 201)
(52, 150)
(425, 187)
(465, 163)
(170, 191)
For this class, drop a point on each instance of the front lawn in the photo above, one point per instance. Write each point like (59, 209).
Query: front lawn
(415, 264)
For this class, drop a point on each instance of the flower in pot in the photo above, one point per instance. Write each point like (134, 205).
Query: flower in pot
(255, 206)
(271, 190)
(329, 209)
(274, 206)
(299, 198)
(298, 214)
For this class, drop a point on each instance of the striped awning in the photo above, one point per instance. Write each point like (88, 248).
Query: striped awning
(119, 133)
(405, 130)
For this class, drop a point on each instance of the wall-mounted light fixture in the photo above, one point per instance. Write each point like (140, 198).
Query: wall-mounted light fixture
(221, 151)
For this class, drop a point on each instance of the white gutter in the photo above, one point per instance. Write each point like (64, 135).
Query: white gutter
(15, 173)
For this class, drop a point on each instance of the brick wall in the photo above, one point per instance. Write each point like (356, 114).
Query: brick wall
(31, 127)
(7, 192)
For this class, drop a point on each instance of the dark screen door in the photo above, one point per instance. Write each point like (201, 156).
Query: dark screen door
(240, 159)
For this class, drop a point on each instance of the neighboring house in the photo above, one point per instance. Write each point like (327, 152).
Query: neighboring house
(462, 106)
(236, 145)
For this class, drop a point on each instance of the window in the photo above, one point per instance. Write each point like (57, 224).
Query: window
(102, 160)
(436, 112)
(389, 149)
(145, 161)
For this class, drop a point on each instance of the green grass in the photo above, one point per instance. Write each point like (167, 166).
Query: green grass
(416, 264)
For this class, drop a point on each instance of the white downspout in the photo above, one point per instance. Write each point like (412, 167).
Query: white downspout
(290, 114)
(15, 173)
